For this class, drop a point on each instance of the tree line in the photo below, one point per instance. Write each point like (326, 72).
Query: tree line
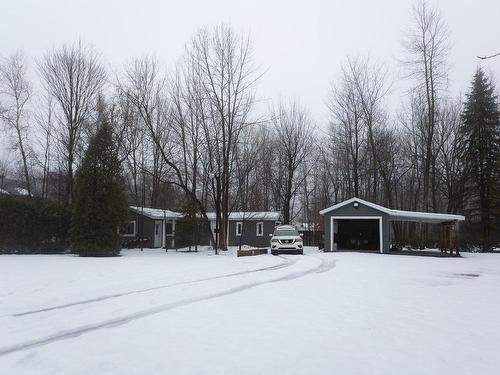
(192, 138)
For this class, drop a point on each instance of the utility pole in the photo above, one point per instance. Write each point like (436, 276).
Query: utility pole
(215, 177)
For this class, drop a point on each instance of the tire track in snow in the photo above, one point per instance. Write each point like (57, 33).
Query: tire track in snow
(287, 263)
(324, 266)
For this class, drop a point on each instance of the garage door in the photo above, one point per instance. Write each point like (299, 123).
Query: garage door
(357, 234)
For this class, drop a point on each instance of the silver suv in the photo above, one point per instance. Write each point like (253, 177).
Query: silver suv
(286, 239)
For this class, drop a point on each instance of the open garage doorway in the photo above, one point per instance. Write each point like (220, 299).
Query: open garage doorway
(357, 234)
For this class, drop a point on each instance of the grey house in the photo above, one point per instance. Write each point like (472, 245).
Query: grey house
(249, 228)
(356, 224)
(166, 229)
(155, 226)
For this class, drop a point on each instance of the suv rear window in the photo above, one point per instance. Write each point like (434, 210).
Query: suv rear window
(285, 232)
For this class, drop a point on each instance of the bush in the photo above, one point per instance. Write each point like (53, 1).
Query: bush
(32, 226)
(191, 232)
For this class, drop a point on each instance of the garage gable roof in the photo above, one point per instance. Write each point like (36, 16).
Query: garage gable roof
(425, 217)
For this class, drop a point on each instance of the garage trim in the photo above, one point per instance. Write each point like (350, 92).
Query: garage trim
(381, 240)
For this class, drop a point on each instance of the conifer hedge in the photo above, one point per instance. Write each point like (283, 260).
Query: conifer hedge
(29, 225)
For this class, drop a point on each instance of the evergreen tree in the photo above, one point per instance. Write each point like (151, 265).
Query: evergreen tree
(100, 204)
(481, 130)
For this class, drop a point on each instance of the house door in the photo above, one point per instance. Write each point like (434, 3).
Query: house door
(158, 233)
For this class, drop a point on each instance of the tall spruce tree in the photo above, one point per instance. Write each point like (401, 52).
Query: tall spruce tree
(100, 204)
(481, 128)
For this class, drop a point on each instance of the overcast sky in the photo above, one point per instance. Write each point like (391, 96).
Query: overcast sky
(300, 44)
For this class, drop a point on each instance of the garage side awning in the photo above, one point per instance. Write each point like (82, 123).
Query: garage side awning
(424, 217)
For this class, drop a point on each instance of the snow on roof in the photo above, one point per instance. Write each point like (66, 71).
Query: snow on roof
(159, 214)
(266, 215)
(307, 226)
(156, 213)
(429, 217)
(21, 191)
(2, 191)
(425, 217)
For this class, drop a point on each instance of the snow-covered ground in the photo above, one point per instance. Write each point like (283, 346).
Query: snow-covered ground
(178, 313)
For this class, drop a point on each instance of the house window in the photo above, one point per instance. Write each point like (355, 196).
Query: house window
(260, 229)
(169, 228)
(128, 229)
(239, 228)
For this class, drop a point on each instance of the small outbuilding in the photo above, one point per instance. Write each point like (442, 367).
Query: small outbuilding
(356, 224)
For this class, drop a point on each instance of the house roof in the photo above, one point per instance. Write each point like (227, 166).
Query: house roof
(21, 191)
(159, 214)
(424, 217)
(266, 215)
(14, 190)
(156, 213)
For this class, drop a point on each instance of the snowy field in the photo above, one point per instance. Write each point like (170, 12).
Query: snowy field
(178, 313)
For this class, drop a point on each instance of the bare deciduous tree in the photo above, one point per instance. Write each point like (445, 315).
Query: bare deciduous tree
(428, 48)
(450, 159)
(369, 82)
(74, 76)
(222, 63)
(348, 131)
(145, 87)
(293, 137)
(44, 119)
(15, 90)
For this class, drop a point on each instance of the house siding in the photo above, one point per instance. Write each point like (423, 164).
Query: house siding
(249, 233)
(144, 227)
(362, 210)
